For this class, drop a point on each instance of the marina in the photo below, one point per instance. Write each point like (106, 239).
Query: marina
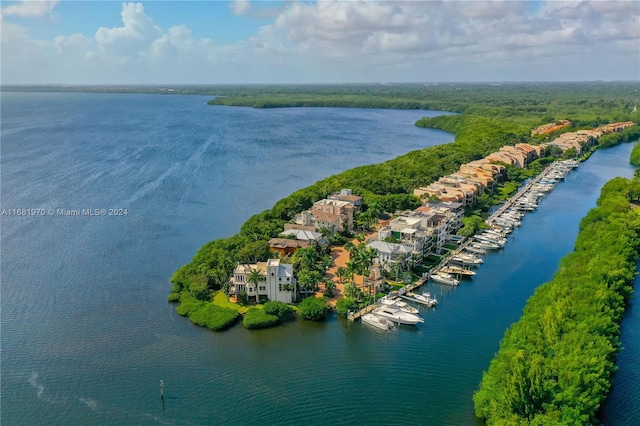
(469, 253)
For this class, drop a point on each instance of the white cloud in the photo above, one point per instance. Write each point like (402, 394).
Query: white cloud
(267, 42)
(128, 42)
(385, 32)
(240, 7)
(344, 41)
(30, 9)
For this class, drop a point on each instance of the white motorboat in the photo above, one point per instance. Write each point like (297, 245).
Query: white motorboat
(475, 250)
(467, 258)
(399, 303)
(485, 245)
(491, 239)
(395, 314)
(405, 307)
(424, 299)
(444, 278)
(377, 321)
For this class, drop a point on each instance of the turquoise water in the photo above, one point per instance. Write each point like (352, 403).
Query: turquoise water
(87, 333)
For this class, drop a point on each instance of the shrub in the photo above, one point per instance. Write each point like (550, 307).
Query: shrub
(343, 306)
(314, 308)
(214, 317)
(278, 309)
(173, 297)
(188, 304)
(257, 318)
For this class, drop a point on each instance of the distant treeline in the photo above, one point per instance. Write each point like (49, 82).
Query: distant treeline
(555, 364)
(544, 102)
(583, 102)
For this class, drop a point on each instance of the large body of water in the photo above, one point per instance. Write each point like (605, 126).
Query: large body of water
(87, 333)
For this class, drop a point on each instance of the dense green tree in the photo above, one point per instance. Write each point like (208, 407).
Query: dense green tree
(346, 305)
(314, 308)
(555, 364)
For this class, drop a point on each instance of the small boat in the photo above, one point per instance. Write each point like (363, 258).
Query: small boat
(452, 269)
(475, 250)
(395, 314)
(424, 299)
(405, 307)
(468, 259)
(377, 321)
(444, 278)
(485, 245)
(500, 242)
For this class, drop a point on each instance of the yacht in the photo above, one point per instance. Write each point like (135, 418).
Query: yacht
(377, 321)
(444, 278)
(404, 307)
(395, 314)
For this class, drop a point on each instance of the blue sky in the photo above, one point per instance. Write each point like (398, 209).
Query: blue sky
(243, 41)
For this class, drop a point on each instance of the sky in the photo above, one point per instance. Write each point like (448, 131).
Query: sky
(327, 41)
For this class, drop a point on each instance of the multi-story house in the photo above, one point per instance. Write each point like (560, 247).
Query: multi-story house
(348, 196)
(453, 211)
(390, 254)
(335, 215)
(276, 282)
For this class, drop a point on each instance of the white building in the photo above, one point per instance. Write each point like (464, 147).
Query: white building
(277, 282)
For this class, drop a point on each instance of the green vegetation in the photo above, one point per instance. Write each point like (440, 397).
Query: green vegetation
(635, 156)
(206, 314)
(279, 309)
(346, 305)
(471, 225)
(314, 308)
(627, 135)
(554, 365)
(256, 318)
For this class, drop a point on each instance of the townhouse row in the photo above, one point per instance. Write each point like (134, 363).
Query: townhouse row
(583, 139)
(474, 177)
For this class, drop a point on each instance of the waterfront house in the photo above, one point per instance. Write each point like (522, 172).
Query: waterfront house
(302, 235)
(348, 196)
(286, 246)
(390, 254)
(335, 215)
(277, 282)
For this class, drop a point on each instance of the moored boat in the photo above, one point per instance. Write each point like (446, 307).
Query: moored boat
(400, 304)
(395, 314)
(452, 269)
(467, 259)
(424, 299)
(377, 321)
(444, 278)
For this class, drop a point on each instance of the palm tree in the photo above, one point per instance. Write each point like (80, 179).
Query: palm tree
(253, 277)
